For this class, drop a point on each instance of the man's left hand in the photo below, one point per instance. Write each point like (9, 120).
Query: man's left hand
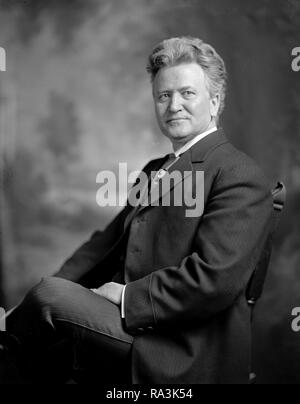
(112, 291)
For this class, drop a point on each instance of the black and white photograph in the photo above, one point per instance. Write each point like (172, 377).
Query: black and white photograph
(149, 195)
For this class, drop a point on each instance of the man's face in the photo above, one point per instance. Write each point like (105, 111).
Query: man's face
(182, 102)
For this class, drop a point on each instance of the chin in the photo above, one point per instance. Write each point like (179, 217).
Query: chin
(178, 135)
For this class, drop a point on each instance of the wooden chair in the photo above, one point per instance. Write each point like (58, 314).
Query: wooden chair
(256, 284)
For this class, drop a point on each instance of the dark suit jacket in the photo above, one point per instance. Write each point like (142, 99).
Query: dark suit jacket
(186, 277)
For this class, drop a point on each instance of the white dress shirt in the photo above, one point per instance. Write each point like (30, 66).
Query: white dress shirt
(195, 140)
(177, 153)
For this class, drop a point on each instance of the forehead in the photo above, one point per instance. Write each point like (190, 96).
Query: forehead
(183, 75)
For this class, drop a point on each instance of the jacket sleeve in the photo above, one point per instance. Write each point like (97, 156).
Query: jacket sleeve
(90, 253)
(231, 235)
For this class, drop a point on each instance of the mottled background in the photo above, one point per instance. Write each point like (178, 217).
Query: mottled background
(76, 99)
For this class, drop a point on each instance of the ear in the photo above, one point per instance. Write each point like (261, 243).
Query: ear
(214, 105)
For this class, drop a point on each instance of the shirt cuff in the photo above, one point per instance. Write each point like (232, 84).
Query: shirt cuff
(123, 303)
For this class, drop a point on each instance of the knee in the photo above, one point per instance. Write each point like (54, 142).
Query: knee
(47, 293)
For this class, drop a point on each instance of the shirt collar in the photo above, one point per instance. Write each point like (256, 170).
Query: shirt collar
(195, 140)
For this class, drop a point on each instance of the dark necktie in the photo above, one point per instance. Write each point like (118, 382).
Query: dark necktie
(164, 168)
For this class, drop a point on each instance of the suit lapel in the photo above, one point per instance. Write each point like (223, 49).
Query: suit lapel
(144, 189)
(201, 150)
(184, 167)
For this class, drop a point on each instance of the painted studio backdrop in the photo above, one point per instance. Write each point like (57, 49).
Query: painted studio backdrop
(75, 99)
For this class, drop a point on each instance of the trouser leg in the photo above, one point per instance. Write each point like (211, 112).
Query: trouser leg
(65, 328)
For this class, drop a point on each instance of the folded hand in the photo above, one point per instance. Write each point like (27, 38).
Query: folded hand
(111, 291)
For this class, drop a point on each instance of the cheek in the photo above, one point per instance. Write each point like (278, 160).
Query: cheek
(160, 110)
(200, 108)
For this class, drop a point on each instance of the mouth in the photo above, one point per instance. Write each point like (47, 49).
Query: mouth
(176, 120)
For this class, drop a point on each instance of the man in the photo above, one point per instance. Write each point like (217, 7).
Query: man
(159, 294)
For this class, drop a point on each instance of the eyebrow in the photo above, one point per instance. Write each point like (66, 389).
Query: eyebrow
(180, 89)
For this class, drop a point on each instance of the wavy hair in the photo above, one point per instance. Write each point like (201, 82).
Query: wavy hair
(175, 51)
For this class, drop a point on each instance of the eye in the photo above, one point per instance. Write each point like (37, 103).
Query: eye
(188, 93)
(163, 97)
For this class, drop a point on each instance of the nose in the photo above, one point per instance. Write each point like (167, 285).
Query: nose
(175, 103)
